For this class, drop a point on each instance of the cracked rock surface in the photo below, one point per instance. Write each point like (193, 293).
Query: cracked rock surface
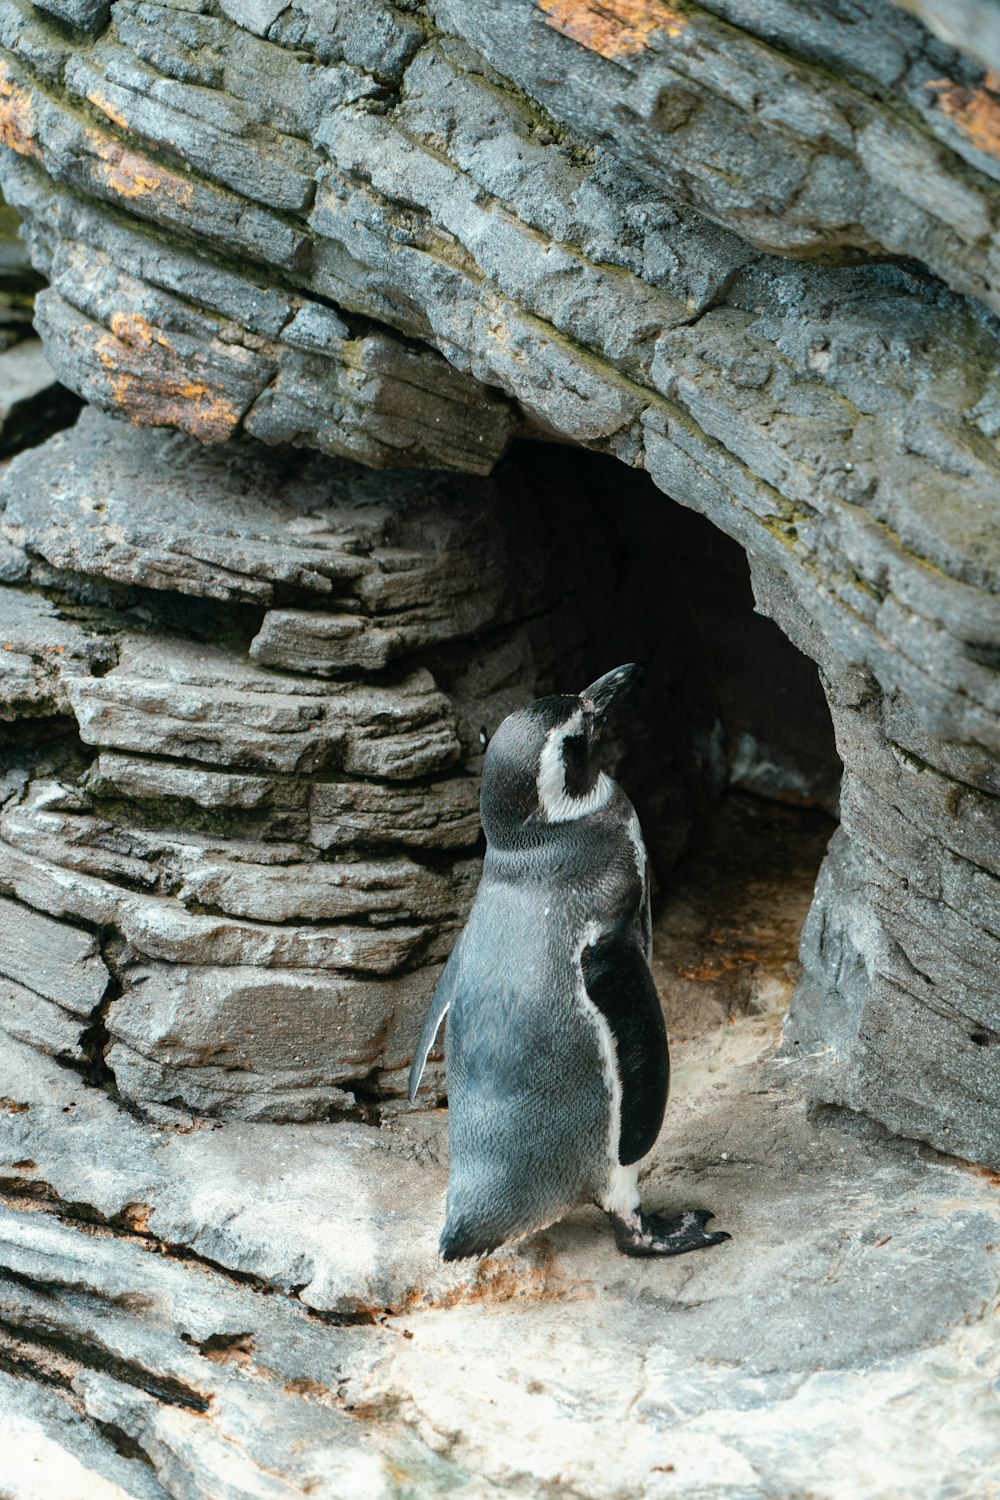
(290, 1331)
(217, 780)
(242, 741)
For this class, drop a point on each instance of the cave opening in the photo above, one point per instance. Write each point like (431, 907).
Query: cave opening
(269, 807)
(726, 745)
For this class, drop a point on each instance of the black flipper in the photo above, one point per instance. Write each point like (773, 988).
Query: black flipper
(437, 1009)
(619, 983)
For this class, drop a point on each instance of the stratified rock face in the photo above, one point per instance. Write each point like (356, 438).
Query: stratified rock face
(402, 236)
(898, 1010)
(240, 819)
(243, 904)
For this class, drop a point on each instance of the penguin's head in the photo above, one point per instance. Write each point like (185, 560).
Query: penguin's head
(543, 764)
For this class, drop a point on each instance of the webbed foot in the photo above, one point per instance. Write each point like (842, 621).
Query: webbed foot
(637, 1233)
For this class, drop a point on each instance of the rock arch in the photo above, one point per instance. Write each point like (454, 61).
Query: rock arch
(406, 241)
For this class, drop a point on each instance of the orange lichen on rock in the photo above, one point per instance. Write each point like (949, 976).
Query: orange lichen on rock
(103, 103)
(976, 111)
(614, 28)
(132, 176)
(18, 121)
(144, 382)
(134, 329)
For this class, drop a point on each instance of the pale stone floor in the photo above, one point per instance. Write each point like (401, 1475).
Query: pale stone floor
(233, 1311)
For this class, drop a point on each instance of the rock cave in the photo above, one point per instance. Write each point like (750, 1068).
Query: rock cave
(400, 362)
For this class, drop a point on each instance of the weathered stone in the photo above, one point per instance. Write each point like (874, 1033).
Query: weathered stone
(59, 962)
(236, 818)
(905, 925)
(45, 1024)
(249, 1043)
(970, 25)
(165, 362)
(869, 1266)
(391, 235)
(753, 121)
(239, 831)
(40, 653)
(84, 15)
(146, 778)
(191, 701)
(271, 882)
(421, 561)
(163, 927)
(443, 816)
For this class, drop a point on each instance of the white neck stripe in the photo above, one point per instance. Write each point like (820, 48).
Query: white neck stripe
(555, 801)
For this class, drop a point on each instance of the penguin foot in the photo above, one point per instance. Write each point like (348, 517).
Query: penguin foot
(637, 1233)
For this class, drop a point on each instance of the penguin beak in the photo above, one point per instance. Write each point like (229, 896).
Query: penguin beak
(602, 694)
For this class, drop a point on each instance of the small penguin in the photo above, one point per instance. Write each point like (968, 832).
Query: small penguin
(556, 1049)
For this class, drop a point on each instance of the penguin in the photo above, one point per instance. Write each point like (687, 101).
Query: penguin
(556, 1049)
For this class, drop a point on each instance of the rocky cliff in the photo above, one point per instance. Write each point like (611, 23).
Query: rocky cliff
(752, 259)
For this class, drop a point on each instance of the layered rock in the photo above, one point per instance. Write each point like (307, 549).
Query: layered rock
(245, 741)
(404, 236)
(32, 403)
(751, 251)
(261, 827)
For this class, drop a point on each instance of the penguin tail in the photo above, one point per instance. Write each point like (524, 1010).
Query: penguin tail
(462, 1241)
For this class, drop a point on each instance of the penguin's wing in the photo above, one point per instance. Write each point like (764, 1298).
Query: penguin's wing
(619, 984)
(437, 1009)
(645, 913)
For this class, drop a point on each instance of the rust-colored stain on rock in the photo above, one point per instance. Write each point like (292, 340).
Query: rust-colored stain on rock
(129, 175)
(18, 122)
(142, 376)
(136, 1216)
(103, 103)
(614, 28)
(531, 1276)
(976, 111)
(134, 329)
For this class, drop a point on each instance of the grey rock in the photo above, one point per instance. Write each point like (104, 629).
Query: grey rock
(484, 196)
(257, 16)
(163, 927)
(85, 15)
(364, 396)
(248, 1043)
(57, 961)
(409, 560)
(236, 840)
(765, 131)
(50, 1027)
(147, 778)
(306, 641)
(191, 702)
(42, 652)
(444, 816)
(971, 26)
(44, 1436)
(868, 1266)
